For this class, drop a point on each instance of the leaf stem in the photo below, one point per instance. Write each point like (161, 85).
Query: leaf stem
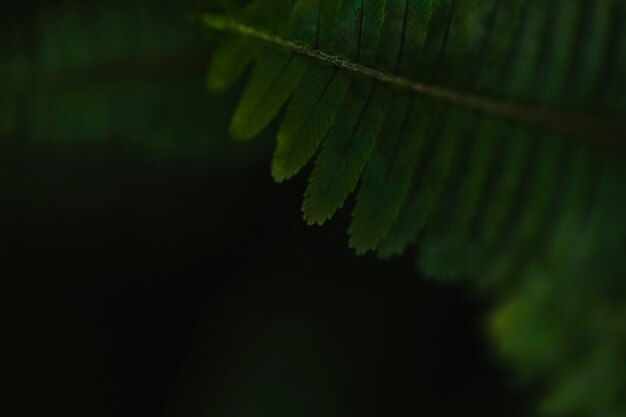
(598, 129)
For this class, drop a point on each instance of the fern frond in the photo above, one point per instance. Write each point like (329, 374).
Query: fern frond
(492, 134)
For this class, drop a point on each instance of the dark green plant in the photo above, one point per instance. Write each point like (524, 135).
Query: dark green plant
(110, 76)
(490, 133)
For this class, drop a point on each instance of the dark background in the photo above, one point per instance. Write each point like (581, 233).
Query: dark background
(163, 290)
(184, 283)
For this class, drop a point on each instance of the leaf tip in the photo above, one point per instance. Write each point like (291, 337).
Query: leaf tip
(240, 130)
(313, 213)
(359, 248)
(359, 243)
(215, 22)
(279, 172)
(313, 220)
(215, 84)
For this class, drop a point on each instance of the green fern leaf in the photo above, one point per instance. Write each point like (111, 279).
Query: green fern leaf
(448, 236)
(232, 58)
(309, 117)
(387, 177)
(230, 61)
(345, 151)
(448, 17)
(350, 141)
(273, 78)
(386, 181)
(276, 74)
(315, 101)
(497, 147)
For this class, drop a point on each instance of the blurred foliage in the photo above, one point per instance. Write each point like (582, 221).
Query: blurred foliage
(125, 76)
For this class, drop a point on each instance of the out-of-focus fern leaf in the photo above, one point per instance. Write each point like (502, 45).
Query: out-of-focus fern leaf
(113, 75)
(388, 175)
(315, 100)
(272, 81)
(492, 134)
(232, 58)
